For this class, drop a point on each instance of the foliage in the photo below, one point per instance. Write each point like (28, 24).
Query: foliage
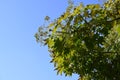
(85, 40)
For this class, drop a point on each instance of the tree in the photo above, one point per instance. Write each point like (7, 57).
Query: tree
(85, 40)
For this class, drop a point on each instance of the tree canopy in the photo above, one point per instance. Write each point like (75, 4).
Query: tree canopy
(85, 40)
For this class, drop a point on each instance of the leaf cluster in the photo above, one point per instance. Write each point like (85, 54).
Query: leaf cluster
(85, 40)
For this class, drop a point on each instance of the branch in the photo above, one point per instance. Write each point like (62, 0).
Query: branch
(114, 19)
(84, 19)
(98, 52)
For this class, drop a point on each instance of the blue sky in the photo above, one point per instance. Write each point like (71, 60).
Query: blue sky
(21, 58)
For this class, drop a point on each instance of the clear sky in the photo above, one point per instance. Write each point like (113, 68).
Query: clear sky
(21, 58)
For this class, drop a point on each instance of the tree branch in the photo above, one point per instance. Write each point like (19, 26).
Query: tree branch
(114, 19)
